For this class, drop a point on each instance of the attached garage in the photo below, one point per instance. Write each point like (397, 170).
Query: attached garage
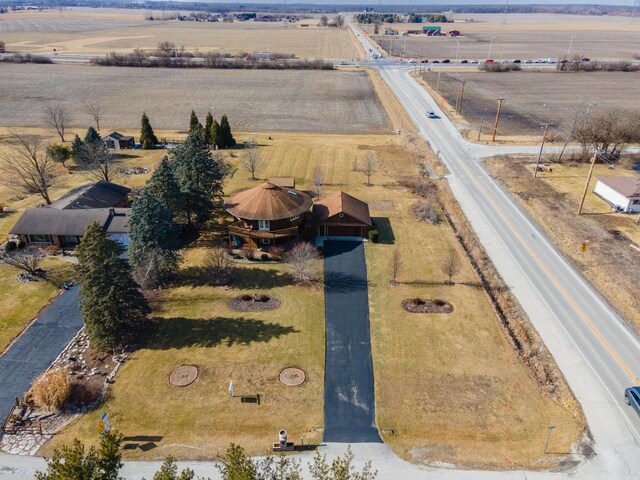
(341, 216)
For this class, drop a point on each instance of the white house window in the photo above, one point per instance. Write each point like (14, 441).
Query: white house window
(264, 225)
(265, 241)
(39, 239)
(295, 217)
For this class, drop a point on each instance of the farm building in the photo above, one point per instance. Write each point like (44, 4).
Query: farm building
(341, 216)
(390, 31)
(431, 30)
(267, 214)
(622, 193)
(117, 141)
(65, 221)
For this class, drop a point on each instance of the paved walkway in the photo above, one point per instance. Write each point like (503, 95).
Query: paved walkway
(38, 347)
(349, 399)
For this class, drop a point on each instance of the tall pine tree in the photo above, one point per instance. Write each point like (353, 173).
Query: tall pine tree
(112, 304)
(147, 137)
(229, 141)
(199, 175)
(164, 186)
(217, 139)
(76, 148)
(194, 123)
(207, 129)
(92, 136)
(153, 248)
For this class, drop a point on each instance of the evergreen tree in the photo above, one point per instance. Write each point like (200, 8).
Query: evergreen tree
(74, 463)
(92, 136)
(111, 303)
(164, 186)
(194, 123)
(59, 153)
(147, 137)
(229, 141)
(217, 139)
(235, 465)
(169, 471)
(153, 248)
(207, 129)
(76, 148)
(199, 176)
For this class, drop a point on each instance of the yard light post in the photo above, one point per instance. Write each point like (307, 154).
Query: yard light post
(490, 45)
(570, 45)
(549, 430)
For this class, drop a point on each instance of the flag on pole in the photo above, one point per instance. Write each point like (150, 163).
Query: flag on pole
(105, 422)
(231, 388)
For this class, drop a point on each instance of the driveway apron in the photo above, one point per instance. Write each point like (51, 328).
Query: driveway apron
(349, 400)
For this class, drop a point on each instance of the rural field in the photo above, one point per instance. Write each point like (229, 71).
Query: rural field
(523, 36)
(531, 98)
(502, 425)
(284, 100)
(87, 31)
(610, 262)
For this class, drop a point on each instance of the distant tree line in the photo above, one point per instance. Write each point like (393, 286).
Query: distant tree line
(577, 65)
(23, 58)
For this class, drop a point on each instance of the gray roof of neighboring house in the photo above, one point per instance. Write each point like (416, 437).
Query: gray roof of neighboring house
(99, 194)
(118, 136)
(627, 186)
(72, 222)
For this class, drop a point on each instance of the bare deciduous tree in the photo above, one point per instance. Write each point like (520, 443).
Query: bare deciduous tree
(95, 110)
(219, 268)
(27, 260)
(339, 21)
(451, 265)
(302, 263)
(58, 118)
(369, 165)
(318, 180)
(579, 116)
(395, 266)
(28, 165)
(252, 161)
(98, 163)
(608, 133)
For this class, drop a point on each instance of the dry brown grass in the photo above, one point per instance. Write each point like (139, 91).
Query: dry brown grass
(292, 100)
(84, 32)
(51, 390)
(552, 200)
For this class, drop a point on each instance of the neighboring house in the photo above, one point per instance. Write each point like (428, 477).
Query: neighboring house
(622, 193)
(341, 216)
(267, 214)
(117, 141)
(65, 221)
(259, 56)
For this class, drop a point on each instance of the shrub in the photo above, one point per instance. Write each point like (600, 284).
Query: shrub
(426, 211)
(264, 257)
(51, 390)
(302, 263)
(53, 250)
(10, 246)
(21, 245)
(219, 269)
(276, 252)
(374, 236)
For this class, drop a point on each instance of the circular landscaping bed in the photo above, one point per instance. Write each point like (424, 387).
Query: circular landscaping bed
(254, 303)
(419, 305)
(183, 375)
(292, 376)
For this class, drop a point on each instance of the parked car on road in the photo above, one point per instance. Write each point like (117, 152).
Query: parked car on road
(464, 61)
(436, 61)
(343, 63)
(431, 115)
(475, 61)
(528, 61)
(632, 398)
(541, 60)
(586, 59)
(489, 60)
(517, 60)
(413, 60)
(446, 60)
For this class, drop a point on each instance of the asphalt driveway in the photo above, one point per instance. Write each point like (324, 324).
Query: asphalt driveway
(349, 399)
(38, 347)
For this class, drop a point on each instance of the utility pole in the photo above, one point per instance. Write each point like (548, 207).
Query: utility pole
(459, 109)
(544, 137)
(495, 125)
(438, 83)
(586, 187)
(480, 131)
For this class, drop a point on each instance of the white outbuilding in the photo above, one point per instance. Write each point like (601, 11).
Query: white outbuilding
(622, 193)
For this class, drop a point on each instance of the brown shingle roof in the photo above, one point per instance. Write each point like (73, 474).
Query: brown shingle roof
(627, 186)
(268, 202)
(341, 202)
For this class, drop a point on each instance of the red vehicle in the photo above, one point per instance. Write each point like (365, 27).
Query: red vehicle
(586, 59)
(490, 60)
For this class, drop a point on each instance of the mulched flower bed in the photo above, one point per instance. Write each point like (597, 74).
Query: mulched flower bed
(254, 303)
(419, 305)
